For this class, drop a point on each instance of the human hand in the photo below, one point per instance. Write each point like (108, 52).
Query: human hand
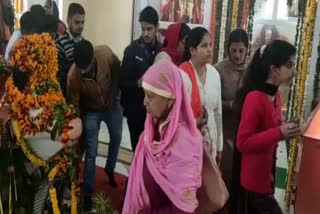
(74, 132)
(203, 119)
(289, 130)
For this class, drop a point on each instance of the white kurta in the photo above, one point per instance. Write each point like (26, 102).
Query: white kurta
(210, 94)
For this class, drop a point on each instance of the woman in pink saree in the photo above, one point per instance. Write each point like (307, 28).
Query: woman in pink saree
(166, 170)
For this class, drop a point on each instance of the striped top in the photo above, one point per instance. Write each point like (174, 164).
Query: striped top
(65, 47)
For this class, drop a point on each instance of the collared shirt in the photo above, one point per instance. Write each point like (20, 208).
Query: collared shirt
(75, 39)
(65, 48)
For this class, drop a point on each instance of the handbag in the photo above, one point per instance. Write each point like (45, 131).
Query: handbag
(213, 194)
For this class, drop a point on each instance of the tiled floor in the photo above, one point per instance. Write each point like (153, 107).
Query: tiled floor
(125, 156)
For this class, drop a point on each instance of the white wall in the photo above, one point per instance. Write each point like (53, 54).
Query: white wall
(107, 22)
(28, 3)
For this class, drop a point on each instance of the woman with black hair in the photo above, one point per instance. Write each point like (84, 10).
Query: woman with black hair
(174, 44)
(204, 88)
(51, 9)
(204, 82)
(261, 126)
(232, 70)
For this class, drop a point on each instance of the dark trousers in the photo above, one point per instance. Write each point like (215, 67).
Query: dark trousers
(255, 203)
(136, 126)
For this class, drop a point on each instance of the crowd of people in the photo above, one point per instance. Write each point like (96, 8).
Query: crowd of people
(188, 120)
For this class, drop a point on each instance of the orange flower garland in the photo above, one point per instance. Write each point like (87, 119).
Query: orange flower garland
(40, 106)
(36, 56)
(22, 103)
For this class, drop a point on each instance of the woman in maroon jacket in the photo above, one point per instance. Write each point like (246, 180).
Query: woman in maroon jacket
(261, 126)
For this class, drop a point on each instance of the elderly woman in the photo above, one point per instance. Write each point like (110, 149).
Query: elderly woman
(166, 170)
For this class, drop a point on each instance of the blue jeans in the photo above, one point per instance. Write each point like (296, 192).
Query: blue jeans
(91, 126)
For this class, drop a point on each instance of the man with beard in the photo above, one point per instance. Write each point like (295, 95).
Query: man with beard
(65, 44)
(138, 57)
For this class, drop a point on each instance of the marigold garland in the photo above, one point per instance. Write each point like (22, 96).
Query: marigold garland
(59, 168)
(41, 105)
(298, 43)
(300, 95)
(74, 192)
(228, 22)
(251, 20)
(28, 153)
(217, 33)
(235, 12)
(54, 200)
(36, 56)
(222, 29)
(240, 14)
(22, 103)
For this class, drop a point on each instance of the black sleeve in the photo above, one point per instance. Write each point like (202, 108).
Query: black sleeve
(129, 68)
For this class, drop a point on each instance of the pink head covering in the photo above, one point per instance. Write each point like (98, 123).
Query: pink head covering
(175, 161)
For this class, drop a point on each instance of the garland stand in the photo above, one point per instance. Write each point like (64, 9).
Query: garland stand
(303, 187)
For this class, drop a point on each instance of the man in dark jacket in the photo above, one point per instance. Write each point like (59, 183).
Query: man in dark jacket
(138, 57)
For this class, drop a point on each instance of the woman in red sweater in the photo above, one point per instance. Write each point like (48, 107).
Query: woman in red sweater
(261, 126)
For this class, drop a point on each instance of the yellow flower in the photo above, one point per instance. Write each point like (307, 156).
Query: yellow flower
(54, 200)
(300, 87)
(73, 198)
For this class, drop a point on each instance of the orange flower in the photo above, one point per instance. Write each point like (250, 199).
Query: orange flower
(35, 55)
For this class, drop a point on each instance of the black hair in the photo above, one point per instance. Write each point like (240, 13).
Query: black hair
(238, 35)
(37, 10)
(55, 10)
(149, 15)
(26, 23)
(39, 15)
(83, 53)
(51, 25)
(75, 8)
(193, 40)
(277, 53)
(185, 29)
